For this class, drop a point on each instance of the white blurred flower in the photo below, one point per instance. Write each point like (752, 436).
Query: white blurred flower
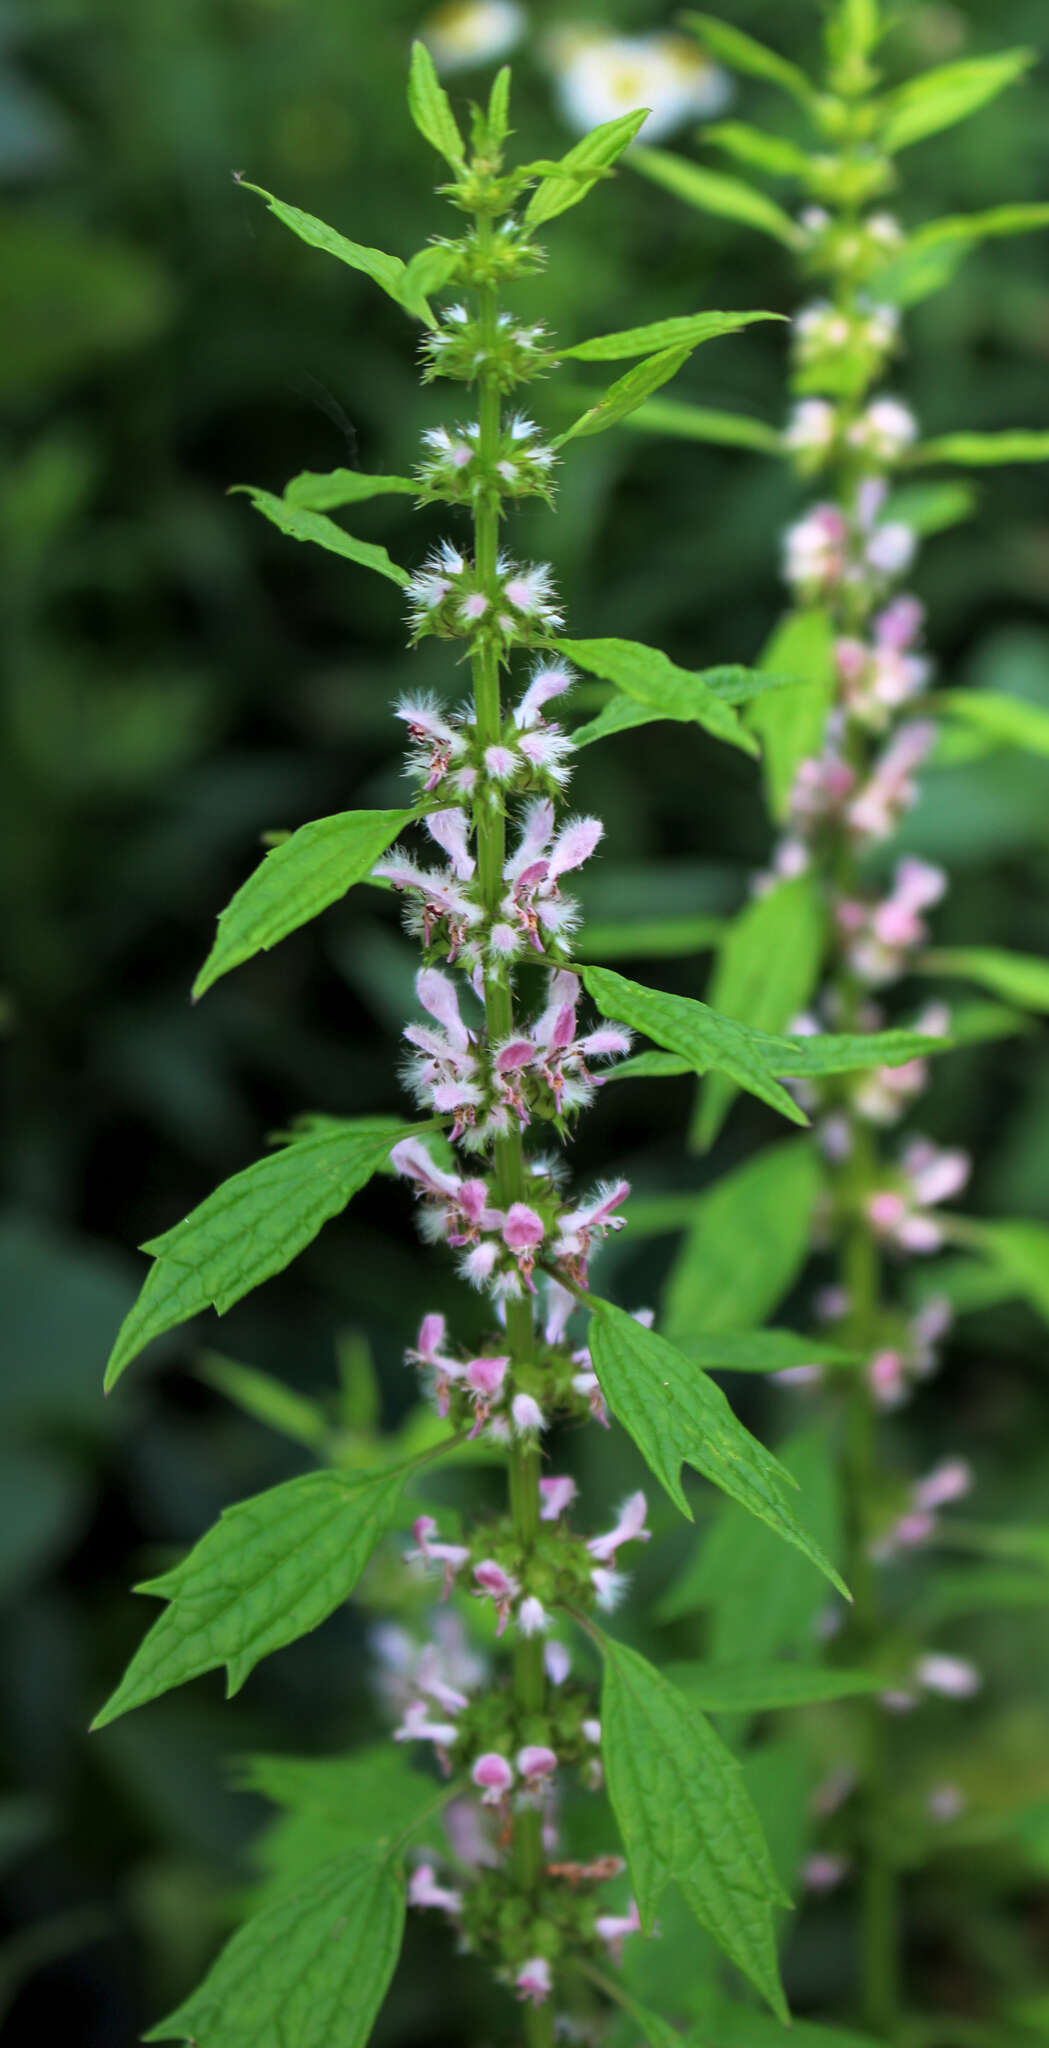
(463, 33)
(600, 76)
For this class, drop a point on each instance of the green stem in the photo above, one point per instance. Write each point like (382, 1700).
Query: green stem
(529, 1669)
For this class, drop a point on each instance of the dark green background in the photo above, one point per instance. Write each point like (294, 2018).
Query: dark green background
(179, 679)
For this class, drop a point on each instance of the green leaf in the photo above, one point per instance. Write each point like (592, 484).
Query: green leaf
(713, 192)
(623, 714)
(582, 166)
(699, 423)
(316, 491)
(385, 271)
(931, 256)
(302, 525)
(1020, 1251)
(767, 968)
(847, 1052)
(1005, 721)
(1021, 978)
(266, 1399)
(685, 1816)
(686, 332)
(982, 451)
(296, 881)
(676, 1416)
(758, 1350)
(648, 677)
(429, 271)
(430, 109)
(747, 145)
(763, 1688)
(743, 53)
(649, 938)
(272, 1568)
(937, 99)
(737, 2028)
(311, 1971)
(748, 1240)
(251, 1227)
(692, 1031)
(499, 109)
(626, 394)
(931, 508)
(792, 727)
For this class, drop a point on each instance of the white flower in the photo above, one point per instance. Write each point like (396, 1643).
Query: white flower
(467, 32)
(600, 76)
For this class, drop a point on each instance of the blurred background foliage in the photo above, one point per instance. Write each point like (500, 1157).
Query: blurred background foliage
(180, 679)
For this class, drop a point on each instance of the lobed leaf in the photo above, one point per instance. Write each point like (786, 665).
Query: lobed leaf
(302, 525)
(296, 881)
(252, 1227)
(626, 394)
(766, 970)
(316, 491)
(649, 678)
(937, 99)
(311, 1971)
(686, 332)
(580, 168)
(1005, 721)
(791, 727)
(748, 1240)
(685, 1816)
(763, 1688)
(695, 1033)
(742, 52)
(430, 109)
(272, 1568)
(982, 451)
(676, 1416)
(1018, 977)
(714, 192)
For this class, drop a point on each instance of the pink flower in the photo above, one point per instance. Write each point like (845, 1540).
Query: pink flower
(533, 1981)
(556, 1495)
(548, 680)
(886, 1378)
(451, 832)
(438, 995)
(558, 1663)
(532, 1617)
(823, 1872)
(630, 1528)
(578, 1227)
(954, 1677)
(535, 1762)
(424, 1891)
(609, 1587)
(949, 1481)
(417, 1727)
(452, 1555)
(528, 1416)
(613, 1929)
(497, 1585)
(493, 1776)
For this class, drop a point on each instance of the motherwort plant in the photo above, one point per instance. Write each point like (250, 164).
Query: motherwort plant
(842, 917)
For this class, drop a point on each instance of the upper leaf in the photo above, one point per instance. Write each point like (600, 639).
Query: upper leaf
(686, 332)
(930, 257)
(791, 727)
(302, 525)
(760, 1688)
(1005, 721)
(698, 1035)
(1018, 977)
(651, 679)
(296, 881)
(582, 166)
(317, 491)
(1020, 1251)
(700, 423)
(430, 109)
(271, 1569)
(713, 192)
(743, 53)
(311, 1971)
(626, 394)
(767, 967)
(937, 99)
(771, 153)
(665, 697)
(983, 451)
(676, 1416)
(686, 1817)
(388, 272)
(251, 1227)
(748, 1239)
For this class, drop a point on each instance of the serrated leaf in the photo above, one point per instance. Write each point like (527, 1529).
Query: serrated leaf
(792, 727)
(251, 1227)
(311, 1971)
(649, 938)
(764, 1688)
(326, 491)
(685, 1816)
(686, 332)
(1018, 977)
(272, 1568)
(714, 192)
(676, 1416)
(649, 678)
(1006, 721)
(847, 1052)
(265, 1399)
(937, 99)
(298, 879)
(626, 394)
(385, 271)
(693, 1032)
(732, 685)
(767, 968)
(747, 145)
(581, 167)
(699, 423)
(742, 52)
(313, 526)
(983, 451)
(748, 1240)
(430, 109)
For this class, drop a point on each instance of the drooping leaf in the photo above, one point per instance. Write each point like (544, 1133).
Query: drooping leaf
(384, 270)
(676, 1416)
(762, 1688)
(296, 881)
(582, 166)
(430, 109)
(685, 1816)
(1018, 977)
(326, 491)
(685, 332)
(1005, 721)
(649, 678)
(742, 52)
(650, 938)
(767, 968)
(762, 152)
(299, 524)
(714, 192)
(251, 1227)
(691, 1031)
(266, 1399)
(791, 726)
(270, 1570)
(937, 99)
(311, 1971)
(748, 1241)
(982, 451)
(626, 394)
(700, 423)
